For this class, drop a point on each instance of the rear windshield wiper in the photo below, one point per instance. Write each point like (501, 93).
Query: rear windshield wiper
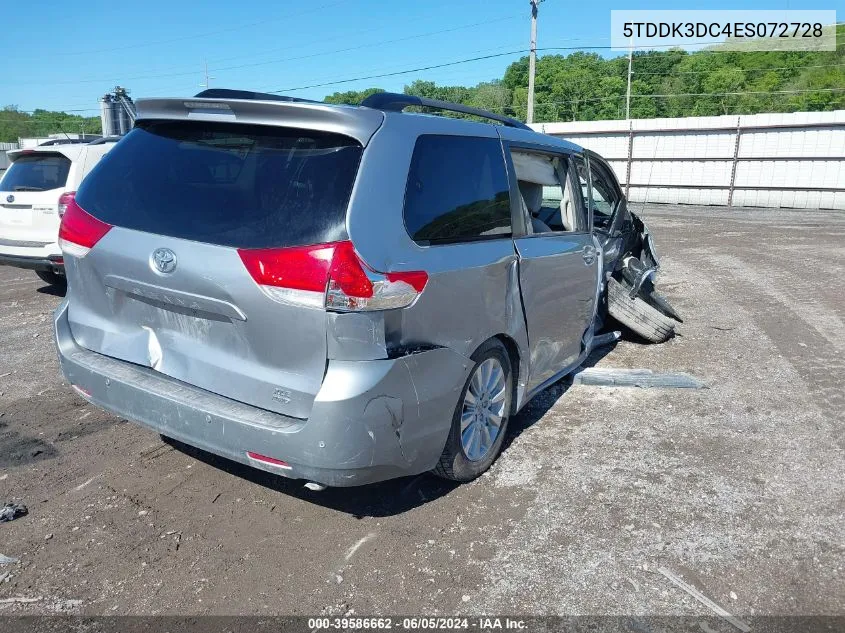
(25, 188)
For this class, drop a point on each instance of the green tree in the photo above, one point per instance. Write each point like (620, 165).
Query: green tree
(673, 83)
(15, 124)
(351, 97)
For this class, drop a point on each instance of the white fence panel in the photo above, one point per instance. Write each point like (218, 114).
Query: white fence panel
(792, 160)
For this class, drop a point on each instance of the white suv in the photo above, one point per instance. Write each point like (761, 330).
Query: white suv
(34, 193)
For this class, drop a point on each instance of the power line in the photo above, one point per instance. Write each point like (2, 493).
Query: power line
(640, 47)
(735, 108)
(430, 67)
(364, 46)
(370, 69)
(461, 61)
(189, 37)
(502, 19)
(648, 47)
(744, 70)
(748, 92)
(52, 111)
(399, 72)
(693, 94)
(284, 59)
(36, 121)
(442, 65)
(589, 99)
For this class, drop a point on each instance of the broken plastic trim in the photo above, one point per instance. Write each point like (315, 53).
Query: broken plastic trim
(636, 274)
(409, 350)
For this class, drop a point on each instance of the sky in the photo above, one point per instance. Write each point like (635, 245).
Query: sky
(65, 55)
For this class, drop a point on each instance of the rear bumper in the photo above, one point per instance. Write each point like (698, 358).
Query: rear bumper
(33, 263)
(371, 420)
(31, 255)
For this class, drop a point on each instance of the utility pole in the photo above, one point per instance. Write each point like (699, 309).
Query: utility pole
(532, 61)
(205, 85)
(630, 66)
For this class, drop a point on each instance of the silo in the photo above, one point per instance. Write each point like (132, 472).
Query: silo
(123, 124)
(125, 110)
(107, 115)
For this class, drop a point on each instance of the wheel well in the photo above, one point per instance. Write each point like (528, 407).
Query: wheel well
(513, 356)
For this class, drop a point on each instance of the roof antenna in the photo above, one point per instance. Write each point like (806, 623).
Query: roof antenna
(67, 136)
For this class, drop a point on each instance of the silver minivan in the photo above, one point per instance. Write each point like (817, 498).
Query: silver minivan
(337, 294)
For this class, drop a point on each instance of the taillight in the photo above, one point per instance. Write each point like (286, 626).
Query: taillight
(355, 286)
(79, 230)
(64, 199)
(330, 276)
(291, 275)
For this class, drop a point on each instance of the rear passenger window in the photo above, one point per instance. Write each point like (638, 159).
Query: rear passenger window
(546, 191)
(457, 190)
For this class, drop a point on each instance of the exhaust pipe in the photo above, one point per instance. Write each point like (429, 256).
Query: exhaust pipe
(313, 485)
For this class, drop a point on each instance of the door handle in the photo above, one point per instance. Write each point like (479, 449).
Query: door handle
(589, 254)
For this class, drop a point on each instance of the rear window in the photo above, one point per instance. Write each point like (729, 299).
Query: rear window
(36, 172)
(457, 190)
(228, 184)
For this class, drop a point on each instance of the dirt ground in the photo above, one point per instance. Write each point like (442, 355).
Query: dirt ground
(737, 488)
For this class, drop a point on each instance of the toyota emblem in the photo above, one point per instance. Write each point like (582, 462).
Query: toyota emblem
(10, 198)
(164, 260)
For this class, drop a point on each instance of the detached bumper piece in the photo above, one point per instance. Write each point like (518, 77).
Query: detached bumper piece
(636, 314)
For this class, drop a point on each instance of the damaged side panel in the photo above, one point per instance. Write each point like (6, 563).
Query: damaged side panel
(394, 413)
(356, 335)
(630, 272)
(472, 292)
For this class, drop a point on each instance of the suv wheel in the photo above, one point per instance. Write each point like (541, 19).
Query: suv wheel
(481, 417)
(54, 279)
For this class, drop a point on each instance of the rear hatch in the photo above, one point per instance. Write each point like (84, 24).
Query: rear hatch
(167, 286)
(29, 196)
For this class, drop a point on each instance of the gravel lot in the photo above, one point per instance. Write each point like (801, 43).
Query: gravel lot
(737, 488)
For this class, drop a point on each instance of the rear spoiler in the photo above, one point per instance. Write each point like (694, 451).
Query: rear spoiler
(358, 123)
(62, 150)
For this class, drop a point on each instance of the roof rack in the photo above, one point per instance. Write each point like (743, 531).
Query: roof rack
(105, 139)
(228, 93)
(396, 102)
(65, 141)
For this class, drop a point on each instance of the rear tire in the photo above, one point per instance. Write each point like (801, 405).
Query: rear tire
(54, 279)
(637, 315)
(455, 463)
